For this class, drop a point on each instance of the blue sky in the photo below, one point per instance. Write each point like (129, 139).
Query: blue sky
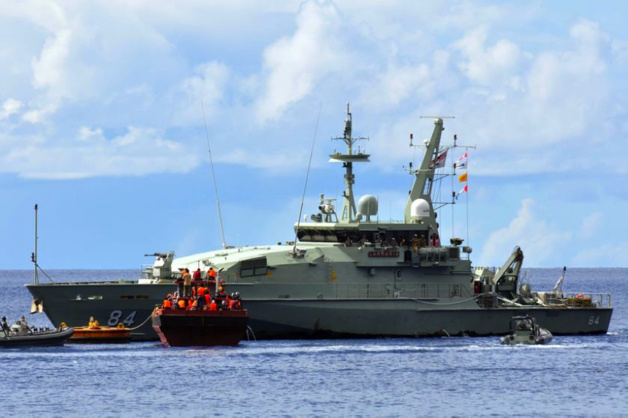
(101, 122)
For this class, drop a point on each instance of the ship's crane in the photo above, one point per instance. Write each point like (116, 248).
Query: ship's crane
(505, 279)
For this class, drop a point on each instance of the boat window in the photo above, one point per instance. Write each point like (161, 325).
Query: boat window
(253, 267)
(455, 291)
(94, 298)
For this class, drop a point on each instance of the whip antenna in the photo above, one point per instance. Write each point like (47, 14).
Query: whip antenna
(309, 164)
(211, 163)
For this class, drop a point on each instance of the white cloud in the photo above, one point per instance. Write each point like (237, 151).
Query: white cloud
(139, 151)
(600, 255)
(49, 70)
(396, 84)
(538, 239)
(37, 115)
(295, 64)
(9, 108)
(488, 65)
(207, 87)
(591, 225)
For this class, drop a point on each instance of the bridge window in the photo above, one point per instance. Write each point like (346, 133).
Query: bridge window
(254, 267)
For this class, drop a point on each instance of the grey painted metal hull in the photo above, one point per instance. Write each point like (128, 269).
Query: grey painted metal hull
(315, 318)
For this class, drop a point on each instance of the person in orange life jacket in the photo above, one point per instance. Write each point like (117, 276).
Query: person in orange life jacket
(181, 303)
(213, 306)
(211, 274)
(201, 291)
(167, 302)
(207, 298)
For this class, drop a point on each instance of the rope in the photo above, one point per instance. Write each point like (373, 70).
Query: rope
(143, 323)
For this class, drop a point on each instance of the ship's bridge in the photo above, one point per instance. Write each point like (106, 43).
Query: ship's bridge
(389, 232)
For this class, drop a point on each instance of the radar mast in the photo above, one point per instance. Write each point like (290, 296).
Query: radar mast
(348, 212)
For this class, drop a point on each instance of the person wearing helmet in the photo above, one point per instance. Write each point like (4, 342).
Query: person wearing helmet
(221, 295)
(5, 325)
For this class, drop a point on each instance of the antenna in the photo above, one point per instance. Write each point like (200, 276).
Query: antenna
(34, 255)
(309, 164)
(211, 163)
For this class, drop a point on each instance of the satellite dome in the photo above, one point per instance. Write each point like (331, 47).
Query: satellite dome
(367, 206)
(419, 210)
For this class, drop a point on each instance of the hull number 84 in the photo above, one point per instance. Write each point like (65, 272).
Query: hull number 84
(115, 318)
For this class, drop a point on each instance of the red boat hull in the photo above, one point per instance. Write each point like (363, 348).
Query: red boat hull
(183, 328)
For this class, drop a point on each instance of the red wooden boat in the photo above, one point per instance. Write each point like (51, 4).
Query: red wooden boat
(185, 328)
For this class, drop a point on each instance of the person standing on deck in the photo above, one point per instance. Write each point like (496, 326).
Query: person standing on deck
(196, 278)
(187, 283)
(179, 283)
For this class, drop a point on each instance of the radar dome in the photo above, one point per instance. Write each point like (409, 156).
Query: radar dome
(420, 210)
(367, 206)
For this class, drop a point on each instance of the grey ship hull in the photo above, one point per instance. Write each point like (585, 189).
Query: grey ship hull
(280, 318)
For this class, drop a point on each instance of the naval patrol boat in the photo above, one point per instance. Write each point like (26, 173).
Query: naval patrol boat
(348, 274)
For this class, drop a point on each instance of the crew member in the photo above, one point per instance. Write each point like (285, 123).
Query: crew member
(200, 302)
(179, 283)
(221, 295)
(187, 283)
(5, 326)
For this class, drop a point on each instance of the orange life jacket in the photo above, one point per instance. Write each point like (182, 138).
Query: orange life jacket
(181, 303)
(213, 306)
(167, 304)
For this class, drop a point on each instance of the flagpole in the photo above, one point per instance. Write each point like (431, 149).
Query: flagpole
(453, 199)
(467, 180)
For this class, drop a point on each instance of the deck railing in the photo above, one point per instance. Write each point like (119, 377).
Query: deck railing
(389, 290)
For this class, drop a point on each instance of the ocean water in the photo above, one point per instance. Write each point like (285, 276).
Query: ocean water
(457, 376)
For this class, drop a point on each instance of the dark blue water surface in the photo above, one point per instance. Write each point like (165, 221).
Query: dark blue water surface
(573, 376)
